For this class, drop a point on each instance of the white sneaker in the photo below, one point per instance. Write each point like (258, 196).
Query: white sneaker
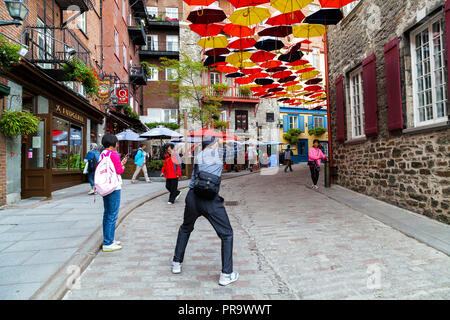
(168, 202)
(316, 187)
(225, 279)
(92, 191)
(112, 247)
(117, 242)
(178, 196)
(176, 267)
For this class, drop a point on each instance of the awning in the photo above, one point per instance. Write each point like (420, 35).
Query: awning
(4, 90)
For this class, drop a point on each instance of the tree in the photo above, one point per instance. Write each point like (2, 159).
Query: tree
(186, 83)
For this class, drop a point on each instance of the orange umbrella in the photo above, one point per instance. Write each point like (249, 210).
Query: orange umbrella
(271, 64)
(238, 31)
(227, 69)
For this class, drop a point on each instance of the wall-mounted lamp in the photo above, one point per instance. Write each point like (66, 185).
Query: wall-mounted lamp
(17, 10)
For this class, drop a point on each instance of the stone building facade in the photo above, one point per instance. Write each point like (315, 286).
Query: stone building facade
(388, 103)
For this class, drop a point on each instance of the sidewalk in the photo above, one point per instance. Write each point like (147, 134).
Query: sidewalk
(40, 239)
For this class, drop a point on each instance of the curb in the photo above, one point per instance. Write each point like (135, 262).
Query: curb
(58, 284)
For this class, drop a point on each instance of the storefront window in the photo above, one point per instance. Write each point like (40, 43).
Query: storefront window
(76, 147)
(60, 143)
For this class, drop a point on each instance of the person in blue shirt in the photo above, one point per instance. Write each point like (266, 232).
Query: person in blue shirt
(208, 160)
(139, 161)
(91, 160)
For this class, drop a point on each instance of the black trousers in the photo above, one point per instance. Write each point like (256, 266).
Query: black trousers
(288, 165)
(172, 187)
(214, 211)
(314, 174)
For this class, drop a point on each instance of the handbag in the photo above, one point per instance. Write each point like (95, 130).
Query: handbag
(312, 163)
(206, 185)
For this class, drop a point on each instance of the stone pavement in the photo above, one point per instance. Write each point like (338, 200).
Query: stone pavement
(291, 242)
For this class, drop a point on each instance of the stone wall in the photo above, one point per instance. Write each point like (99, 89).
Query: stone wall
(408, 168)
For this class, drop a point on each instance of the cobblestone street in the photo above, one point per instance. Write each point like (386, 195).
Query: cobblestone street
(290, 242)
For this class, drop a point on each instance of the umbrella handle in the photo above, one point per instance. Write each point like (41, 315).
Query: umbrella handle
(199, 15)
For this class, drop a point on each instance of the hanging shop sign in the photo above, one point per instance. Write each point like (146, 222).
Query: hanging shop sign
(69, 113)
(123, 96)
(104, 91)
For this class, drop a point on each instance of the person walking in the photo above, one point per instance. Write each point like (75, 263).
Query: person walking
(315, 157)
(172, 171)
(139, 161)
(288, 155)
(111, 202)
(207, 171)
(252, 156)
(91, 160)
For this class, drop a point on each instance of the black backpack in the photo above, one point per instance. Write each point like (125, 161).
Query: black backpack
(92, 164)
(206, 185)
(133, 153)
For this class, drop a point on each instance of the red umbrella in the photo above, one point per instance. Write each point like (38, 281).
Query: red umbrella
(298, 63)
(244, 80)
(260, 75)
(282, 74)
(291, 83)
(262, 56)
(206, 15)
(313, 88)
(247, 3)
(271, 64)
(259, 94)
(317, 95)
(227, 69)
(199, 2)
(334, 3)
(238, 31)
(209, 132)
(241, 43)
(270, 86)
(217, 52)
(286, 18)
(250, 71)
(305, 70)
(206, 30)
(278, 31)
(257, 89)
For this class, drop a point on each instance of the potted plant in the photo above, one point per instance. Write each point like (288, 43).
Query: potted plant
(77, 70)
(155, 167)
(15, 123)
(222, 125)
(245, 91)
(9, 54)
(220, 88)
(317, 131)
(292, 136)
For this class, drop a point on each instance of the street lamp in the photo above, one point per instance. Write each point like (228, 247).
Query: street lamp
(17, 10)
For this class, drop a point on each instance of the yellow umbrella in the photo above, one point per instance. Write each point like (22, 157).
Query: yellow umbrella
(294, 88)
(286, 6)
(309, 75)
(238, 57)
(305, 66)
(306, 30)
(213, 42)
(249, 16)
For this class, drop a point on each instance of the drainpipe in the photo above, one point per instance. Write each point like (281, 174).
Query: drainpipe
(327, 84)
(101, 35)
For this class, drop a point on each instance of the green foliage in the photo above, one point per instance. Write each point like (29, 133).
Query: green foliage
(74, 163)
(317, 131)
(292, 135)
(245, 91)
(147, 69)
(9, 54)
(155, 165)
(220, 88)
(169, 125)
(14, 123)
(129, 111)
(77, 70)
(220, 124)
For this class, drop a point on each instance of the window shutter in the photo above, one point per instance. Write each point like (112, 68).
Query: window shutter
(393, 85)
(447, 33)
(310, 122)
(301, 123)
(325, 123)
(285, 123)
(340, 110)
(370, 96)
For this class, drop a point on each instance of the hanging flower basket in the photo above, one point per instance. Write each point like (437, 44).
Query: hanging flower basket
(77, 70)
(9, 54)
(15, 123)
(220, 88)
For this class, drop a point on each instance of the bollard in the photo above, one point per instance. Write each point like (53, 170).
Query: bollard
(327, 174)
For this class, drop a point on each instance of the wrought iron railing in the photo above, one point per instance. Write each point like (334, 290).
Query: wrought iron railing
(230, 92)
(160, 46)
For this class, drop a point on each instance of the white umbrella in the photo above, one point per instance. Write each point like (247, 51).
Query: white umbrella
(253, 141)
(272, 142)
(161, 132)
(129, 135)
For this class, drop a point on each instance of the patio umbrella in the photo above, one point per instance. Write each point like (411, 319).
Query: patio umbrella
(199, 2)
(262, 56)
(334, 3)
(241, 43)
(264, 81)
(286, 6)
(129, 135)
(213, 42)
(206, 15)
(249, 16)
(208, 132)
(238, 31)
(235, 75)
(325, 16)
(308, 30)
(313, 81)
(206, 30)
(291, 56)
(247, 3)
(277, 31)
(217, 52)
(286, 18)
(161, 132)
(269, 44)
(213, 60)
(227, 69)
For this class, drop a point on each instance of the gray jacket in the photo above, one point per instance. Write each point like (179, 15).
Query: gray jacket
(208, 160)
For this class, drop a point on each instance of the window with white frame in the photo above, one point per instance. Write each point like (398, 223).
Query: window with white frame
(170, 115)
(124, 52)
(171, 74)
(152, 12)
(172, 13)
(223, 116)
(293, 122)
(429, 73)
(116, 42)
(214, 78)
(172, 43)
(318, 122)
(357, 104)
(82, 23)
(348, 8)
(152, 42)
(153, 76)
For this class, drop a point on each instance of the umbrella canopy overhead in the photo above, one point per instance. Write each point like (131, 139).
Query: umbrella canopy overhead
(238, 31)
(308, 30)
(199, 2)
(269, 44)
(217, 52)
(335, 3)
(208, 132)
(213, 60)
(129, 135)
(235, 75)
(325, 17)
(213, 42)
(241, 43)
(264, 81)
(161, 133)
(249, 16)
(314, 81)
(291, 56)
(286, 6)
(276, 69)
(227, 69)
(286, 18)
(206, 15)
(206, 30)
(277, 31)
(247, 3)
(262, 56)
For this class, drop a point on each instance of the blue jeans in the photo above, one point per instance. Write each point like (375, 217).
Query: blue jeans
(91, 178)
(111, 203)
